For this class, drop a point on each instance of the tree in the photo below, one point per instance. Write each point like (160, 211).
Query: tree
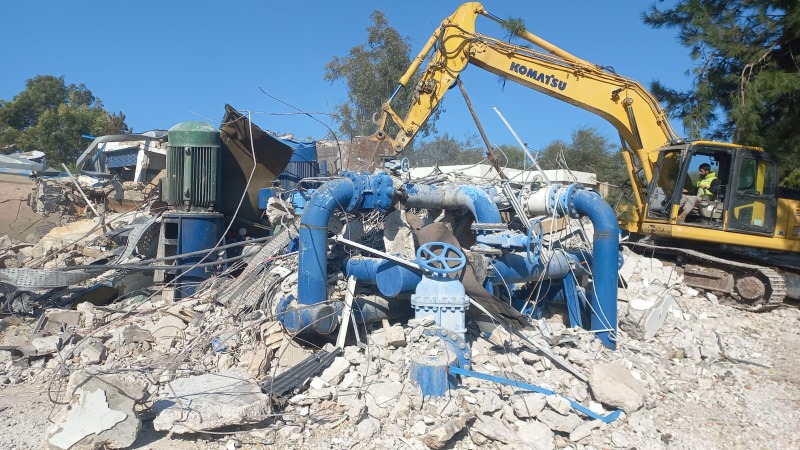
(588, 151)
(371, 72)
(446, 150)
(511, 156)
(51, 116)
(746, 85)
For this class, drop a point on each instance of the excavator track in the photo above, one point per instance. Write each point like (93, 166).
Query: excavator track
(760, 288)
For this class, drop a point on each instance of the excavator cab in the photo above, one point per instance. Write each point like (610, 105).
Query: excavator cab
(741, 198)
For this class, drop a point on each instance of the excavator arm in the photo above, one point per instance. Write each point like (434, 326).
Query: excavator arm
(629, 107)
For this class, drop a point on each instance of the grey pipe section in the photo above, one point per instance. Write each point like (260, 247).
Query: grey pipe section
(471, 198)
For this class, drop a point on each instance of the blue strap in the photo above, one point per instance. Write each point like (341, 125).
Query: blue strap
(530, 387)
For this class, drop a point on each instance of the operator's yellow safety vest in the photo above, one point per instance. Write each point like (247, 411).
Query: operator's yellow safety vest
(704, 185)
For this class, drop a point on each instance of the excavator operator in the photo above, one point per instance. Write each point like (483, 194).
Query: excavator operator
(707, 187)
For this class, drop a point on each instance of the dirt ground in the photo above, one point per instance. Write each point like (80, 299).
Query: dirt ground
(17, 220)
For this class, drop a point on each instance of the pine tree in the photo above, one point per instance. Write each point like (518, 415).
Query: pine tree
(746, 80)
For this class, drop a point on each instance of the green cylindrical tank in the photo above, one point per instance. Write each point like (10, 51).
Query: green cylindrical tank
(193, 166)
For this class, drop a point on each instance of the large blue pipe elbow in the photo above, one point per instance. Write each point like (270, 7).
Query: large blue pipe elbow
(605, 267)
(313, 254)
(354, 191)
(312, 314)
(472, 198)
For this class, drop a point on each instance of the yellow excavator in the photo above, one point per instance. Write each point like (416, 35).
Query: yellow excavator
(747, 215)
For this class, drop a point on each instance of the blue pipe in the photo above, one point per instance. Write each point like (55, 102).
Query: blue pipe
(313, 255)
(575, 201)
(312, 314)
(391, 278)
(374, 308)
(476, 200)
(352, 192)
(605, 256)
(512, 268)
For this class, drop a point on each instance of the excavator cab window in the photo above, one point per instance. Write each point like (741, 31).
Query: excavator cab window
(754, 198)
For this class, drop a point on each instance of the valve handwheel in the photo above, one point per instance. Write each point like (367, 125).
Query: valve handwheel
(535, 233)
(405, 165)
(434, 254)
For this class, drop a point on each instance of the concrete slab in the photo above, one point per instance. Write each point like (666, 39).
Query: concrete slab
(210, 401)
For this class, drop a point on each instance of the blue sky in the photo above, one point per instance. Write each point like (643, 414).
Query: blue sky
(166, 62)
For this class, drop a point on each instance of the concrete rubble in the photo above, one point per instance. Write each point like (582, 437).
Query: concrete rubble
(143, 367)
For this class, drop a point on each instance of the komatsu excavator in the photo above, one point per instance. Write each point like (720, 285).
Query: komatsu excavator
(748, 216)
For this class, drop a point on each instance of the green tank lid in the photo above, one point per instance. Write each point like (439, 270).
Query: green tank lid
(193, 134)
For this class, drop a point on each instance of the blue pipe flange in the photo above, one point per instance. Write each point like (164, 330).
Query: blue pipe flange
(358, 190)
(552, 198)
(535, 238)
(427, 258)
(383, 191)
(566, 201)
(455, 343)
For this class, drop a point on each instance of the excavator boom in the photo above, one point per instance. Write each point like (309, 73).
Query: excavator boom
(631, 109)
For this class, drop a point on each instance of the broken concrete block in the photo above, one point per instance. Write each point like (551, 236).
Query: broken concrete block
(438, 437)
(500, 337)
(317, 383)
(418, 429)
(256, 361)
(395, 336)
(527, 405)
(646, 315)
(93, 353)
(398, 236)
(614, 385)
(166, 330)
(103, 414)
(559, 404)
(425, 321)
(495, 429)
(584, 430)
(46, 345)
(536, 435)
(210, 401)
(368, 427)
(490, 402)
(382, 396)
(336, 370)
(349, 380)
(357, 411)
(91, 416)
(271, 334)
(557, 422)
